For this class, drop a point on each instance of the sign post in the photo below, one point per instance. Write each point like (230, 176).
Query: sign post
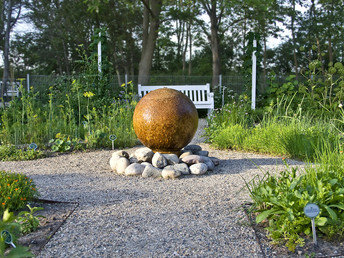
(33, 146)
(112, 138)
(7, 238)
(312, 210)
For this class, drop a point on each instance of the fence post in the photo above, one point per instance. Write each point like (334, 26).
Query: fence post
(126, 80)
(254, 70)
(100, 54)
(28, 82)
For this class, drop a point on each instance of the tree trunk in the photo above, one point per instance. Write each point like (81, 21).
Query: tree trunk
(190, 51)
(185, 48)
(264, 62)
(320, 57)
(2, 20)
(148, 41)
(6, 48)
(215, 51)
(117, 71)
(296, 66)
(330, 52)
(215, 20)
(65, 55)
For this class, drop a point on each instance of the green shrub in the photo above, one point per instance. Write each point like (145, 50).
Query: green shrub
(15, 191)
(280, 200)
(10, 152)
(277, 135)
(27, 219)
(230, 137)
(63, 143)
(265, 138)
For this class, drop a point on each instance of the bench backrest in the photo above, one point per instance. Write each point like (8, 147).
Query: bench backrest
(200, 95)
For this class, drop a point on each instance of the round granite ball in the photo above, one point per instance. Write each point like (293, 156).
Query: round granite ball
(165, 120)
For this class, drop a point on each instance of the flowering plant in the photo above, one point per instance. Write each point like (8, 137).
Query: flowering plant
(15, 191)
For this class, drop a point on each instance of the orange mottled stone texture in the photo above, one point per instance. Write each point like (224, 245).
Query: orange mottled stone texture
(165, 120)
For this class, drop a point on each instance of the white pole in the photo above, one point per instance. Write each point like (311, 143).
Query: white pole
(28, 82)
(99, 54)
(254, 71)
(220, 82)
(126, 80)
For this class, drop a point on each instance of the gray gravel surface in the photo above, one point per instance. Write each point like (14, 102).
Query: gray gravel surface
(198, 216)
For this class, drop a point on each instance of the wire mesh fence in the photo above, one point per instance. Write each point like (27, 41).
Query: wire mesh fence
(228, 86)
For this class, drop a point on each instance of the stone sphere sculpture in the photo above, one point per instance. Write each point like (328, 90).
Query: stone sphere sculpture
(165, 120)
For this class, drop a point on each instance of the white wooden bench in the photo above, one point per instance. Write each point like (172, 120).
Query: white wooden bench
(12, 93)
(200, 95)
(12, 90)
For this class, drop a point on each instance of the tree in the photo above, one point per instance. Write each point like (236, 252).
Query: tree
(151, 22)
(215, 10)
(11, 10)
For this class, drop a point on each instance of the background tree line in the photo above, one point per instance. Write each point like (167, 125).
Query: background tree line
(143, 37)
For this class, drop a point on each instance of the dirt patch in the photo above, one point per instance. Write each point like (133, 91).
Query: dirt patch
(55, 214)
(323, 249)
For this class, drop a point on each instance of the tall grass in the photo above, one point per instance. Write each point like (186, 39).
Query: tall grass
(281, 131)
(77, 114)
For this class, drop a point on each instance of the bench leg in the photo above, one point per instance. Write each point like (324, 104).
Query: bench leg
(209, 112)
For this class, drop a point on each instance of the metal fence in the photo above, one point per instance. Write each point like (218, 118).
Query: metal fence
(228, 85)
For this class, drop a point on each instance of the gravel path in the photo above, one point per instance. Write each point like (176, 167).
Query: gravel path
(130, 216)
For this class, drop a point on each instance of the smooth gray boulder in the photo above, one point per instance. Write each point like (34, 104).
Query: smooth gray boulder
(121, 153)
(170, 173)
(159, 161)
(184, 154)
(198, 169)
(216, 161)
(193, 147)
(121, 164)
(193, 159)
(144, 154)
(171, 158)
(146, 164)
(112, 162)
(182, 168)
(202, 153)
(151, 171)
(134, 169)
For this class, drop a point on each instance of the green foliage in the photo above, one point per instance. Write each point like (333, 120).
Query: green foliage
(8, 224)
(10, 152)
(15, 191)
(280, 200)
(286, 128)
(319, 90)
(238, 111)
(28, 221)
(296, 137)
(287, 89)
(79, 110)
(62, 143)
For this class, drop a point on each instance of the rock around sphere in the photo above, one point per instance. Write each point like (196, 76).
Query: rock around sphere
(165, 120)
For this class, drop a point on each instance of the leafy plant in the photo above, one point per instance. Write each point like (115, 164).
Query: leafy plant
(10, 152)
(28, 221)
(280, 200)
(8, 224)
(62, 143)
(15, 191)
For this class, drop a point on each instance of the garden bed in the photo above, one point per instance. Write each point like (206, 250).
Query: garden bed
(324, 247)
(55, 214)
